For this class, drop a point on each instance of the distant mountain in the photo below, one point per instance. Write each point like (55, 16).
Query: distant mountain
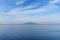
(30, 23)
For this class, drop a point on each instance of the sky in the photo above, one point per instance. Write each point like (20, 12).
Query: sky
(22, 11)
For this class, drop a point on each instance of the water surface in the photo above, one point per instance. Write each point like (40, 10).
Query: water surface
(29, 32)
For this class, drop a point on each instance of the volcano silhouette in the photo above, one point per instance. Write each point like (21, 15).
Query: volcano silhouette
(31, 23)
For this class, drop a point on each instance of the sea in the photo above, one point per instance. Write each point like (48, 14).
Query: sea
(30, 32)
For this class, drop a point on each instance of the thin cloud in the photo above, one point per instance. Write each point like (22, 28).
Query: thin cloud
(32, 13)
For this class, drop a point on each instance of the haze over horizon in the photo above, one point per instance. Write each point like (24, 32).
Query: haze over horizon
(23, 11)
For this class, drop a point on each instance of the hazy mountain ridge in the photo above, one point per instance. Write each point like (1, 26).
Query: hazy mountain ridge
(30, 23)
(33, 23)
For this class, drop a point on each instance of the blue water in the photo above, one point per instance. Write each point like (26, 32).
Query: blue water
(29, 32)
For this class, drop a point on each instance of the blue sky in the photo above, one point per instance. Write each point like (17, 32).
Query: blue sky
(22, 11)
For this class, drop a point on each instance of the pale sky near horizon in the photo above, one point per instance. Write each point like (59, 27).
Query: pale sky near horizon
(22, 11)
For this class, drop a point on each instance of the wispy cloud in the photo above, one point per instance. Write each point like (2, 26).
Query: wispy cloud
(21, 11)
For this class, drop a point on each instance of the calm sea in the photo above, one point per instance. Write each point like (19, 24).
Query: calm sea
(29, 32)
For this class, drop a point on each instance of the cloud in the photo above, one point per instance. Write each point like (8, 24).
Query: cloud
(7, 5)
(20, 2)
(54, 1)
(31, 13)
